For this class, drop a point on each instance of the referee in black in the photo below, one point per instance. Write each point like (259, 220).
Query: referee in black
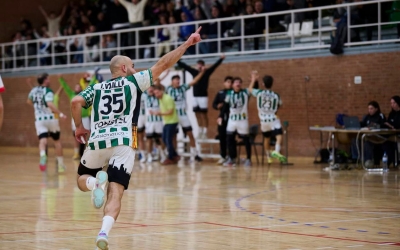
(218, 103)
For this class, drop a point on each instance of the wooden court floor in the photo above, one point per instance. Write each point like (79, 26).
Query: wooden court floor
(202, 207)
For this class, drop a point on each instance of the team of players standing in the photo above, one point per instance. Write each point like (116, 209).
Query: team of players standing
(232, 102)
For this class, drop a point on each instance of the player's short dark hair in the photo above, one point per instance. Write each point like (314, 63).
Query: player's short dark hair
(228, 78)
(268, 81)
(237, 79)
(158, 87)
(41, 78)
(201, 62)
(175, 77)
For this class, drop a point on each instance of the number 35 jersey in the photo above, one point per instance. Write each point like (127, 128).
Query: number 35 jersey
(268, 103)
(114, 104)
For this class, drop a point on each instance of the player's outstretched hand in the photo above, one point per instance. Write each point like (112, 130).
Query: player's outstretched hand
(222, 56)
(81, 134)
(194, 37)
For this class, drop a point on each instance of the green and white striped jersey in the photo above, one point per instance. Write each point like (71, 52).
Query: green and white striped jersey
(142, 105)
(179, 96)
(238, 104)
(40, 96)
(151, 104)
(113, 107)
(268, 103)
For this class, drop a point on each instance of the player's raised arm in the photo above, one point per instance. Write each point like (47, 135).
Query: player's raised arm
(254, 77)
(168, 60)
(198, 77)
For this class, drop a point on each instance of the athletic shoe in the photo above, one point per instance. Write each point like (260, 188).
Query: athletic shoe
(61, 168)
(149, 158)
(198, 158)
(269, 160)
(230, 163)
(156, 157)
(76, 156)
(43, 162)
(247, 163)
(163, 158)
(102, 241)
(168, 162)
(98, 193)
(143, 159)
(221, 161)
(278, 156)
(177, 158)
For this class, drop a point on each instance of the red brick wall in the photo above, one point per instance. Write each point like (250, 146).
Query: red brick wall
(11, 13)
(331, 90)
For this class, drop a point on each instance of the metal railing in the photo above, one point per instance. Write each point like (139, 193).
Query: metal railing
(56, 52)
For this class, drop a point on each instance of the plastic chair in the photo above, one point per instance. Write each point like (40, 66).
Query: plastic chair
(253, 132)
(293, 31)
(307, 28)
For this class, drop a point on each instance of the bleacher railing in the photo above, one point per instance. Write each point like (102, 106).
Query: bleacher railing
(47, 53)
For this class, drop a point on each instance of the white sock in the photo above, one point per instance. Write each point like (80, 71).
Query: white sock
(200, 131)
(90, 182)
(76, 150)
(60, 160)
(108, 223)
(278, 148)
(193, 151)
(162, 153)
(42, 152)
(204, 131)
(143, 153)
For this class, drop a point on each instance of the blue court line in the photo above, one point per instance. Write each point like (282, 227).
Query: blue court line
(237, 204)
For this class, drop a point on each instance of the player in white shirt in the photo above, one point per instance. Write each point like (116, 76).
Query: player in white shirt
(237, 101)
(268, 103)
(178, 93)
(114, 110)
(154, 125)
(141, 126)
(41, 98)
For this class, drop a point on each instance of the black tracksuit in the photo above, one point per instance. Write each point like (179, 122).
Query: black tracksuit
(201, 88)
(220, 99)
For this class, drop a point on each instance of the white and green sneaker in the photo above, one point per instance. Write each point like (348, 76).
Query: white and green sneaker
(43, 163)
(98, 193)
(102, 241)
(278, 156)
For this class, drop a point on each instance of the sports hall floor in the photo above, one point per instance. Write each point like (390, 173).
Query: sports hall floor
(202, 207)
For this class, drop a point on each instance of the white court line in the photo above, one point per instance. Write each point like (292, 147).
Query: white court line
(324, 248)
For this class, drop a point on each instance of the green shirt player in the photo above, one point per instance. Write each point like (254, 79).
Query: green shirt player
(114, 109)
(237, 100)
(41, 98)
(178, 93)
(268, 103)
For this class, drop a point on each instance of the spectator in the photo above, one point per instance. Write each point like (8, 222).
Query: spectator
(53, 22)
(212, 33)
(298, 17)
(79, 45)
(173, 30)
(18, 49)
(116, 13)
(205, 8)
(259, 23)
(171, 11)
(393, 122)
(135, 11)
(229, 8)
(109, 43)
(26, 27)
(92, 46)
(102, 24)
(241, 7)
(186, 30)
(163, 37)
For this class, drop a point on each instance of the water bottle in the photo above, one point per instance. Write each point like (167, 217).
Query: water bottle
(385, 162)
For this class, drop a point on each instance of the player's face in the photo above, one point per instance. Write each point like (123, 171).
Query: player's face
(237, 85)
(175, 82)
(46, 82)
(228, 84)
(150, 91)
(129, 67)
(199, 65)
(158, 93)
(394, 105)
(372, 110)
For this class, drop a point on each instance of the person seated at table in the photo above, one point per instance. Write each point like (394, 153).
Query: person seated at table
(393, 122)
(372, 151)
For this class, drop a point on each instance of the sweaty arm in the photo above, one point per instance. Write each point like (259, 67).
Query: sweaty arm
(77, 104)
